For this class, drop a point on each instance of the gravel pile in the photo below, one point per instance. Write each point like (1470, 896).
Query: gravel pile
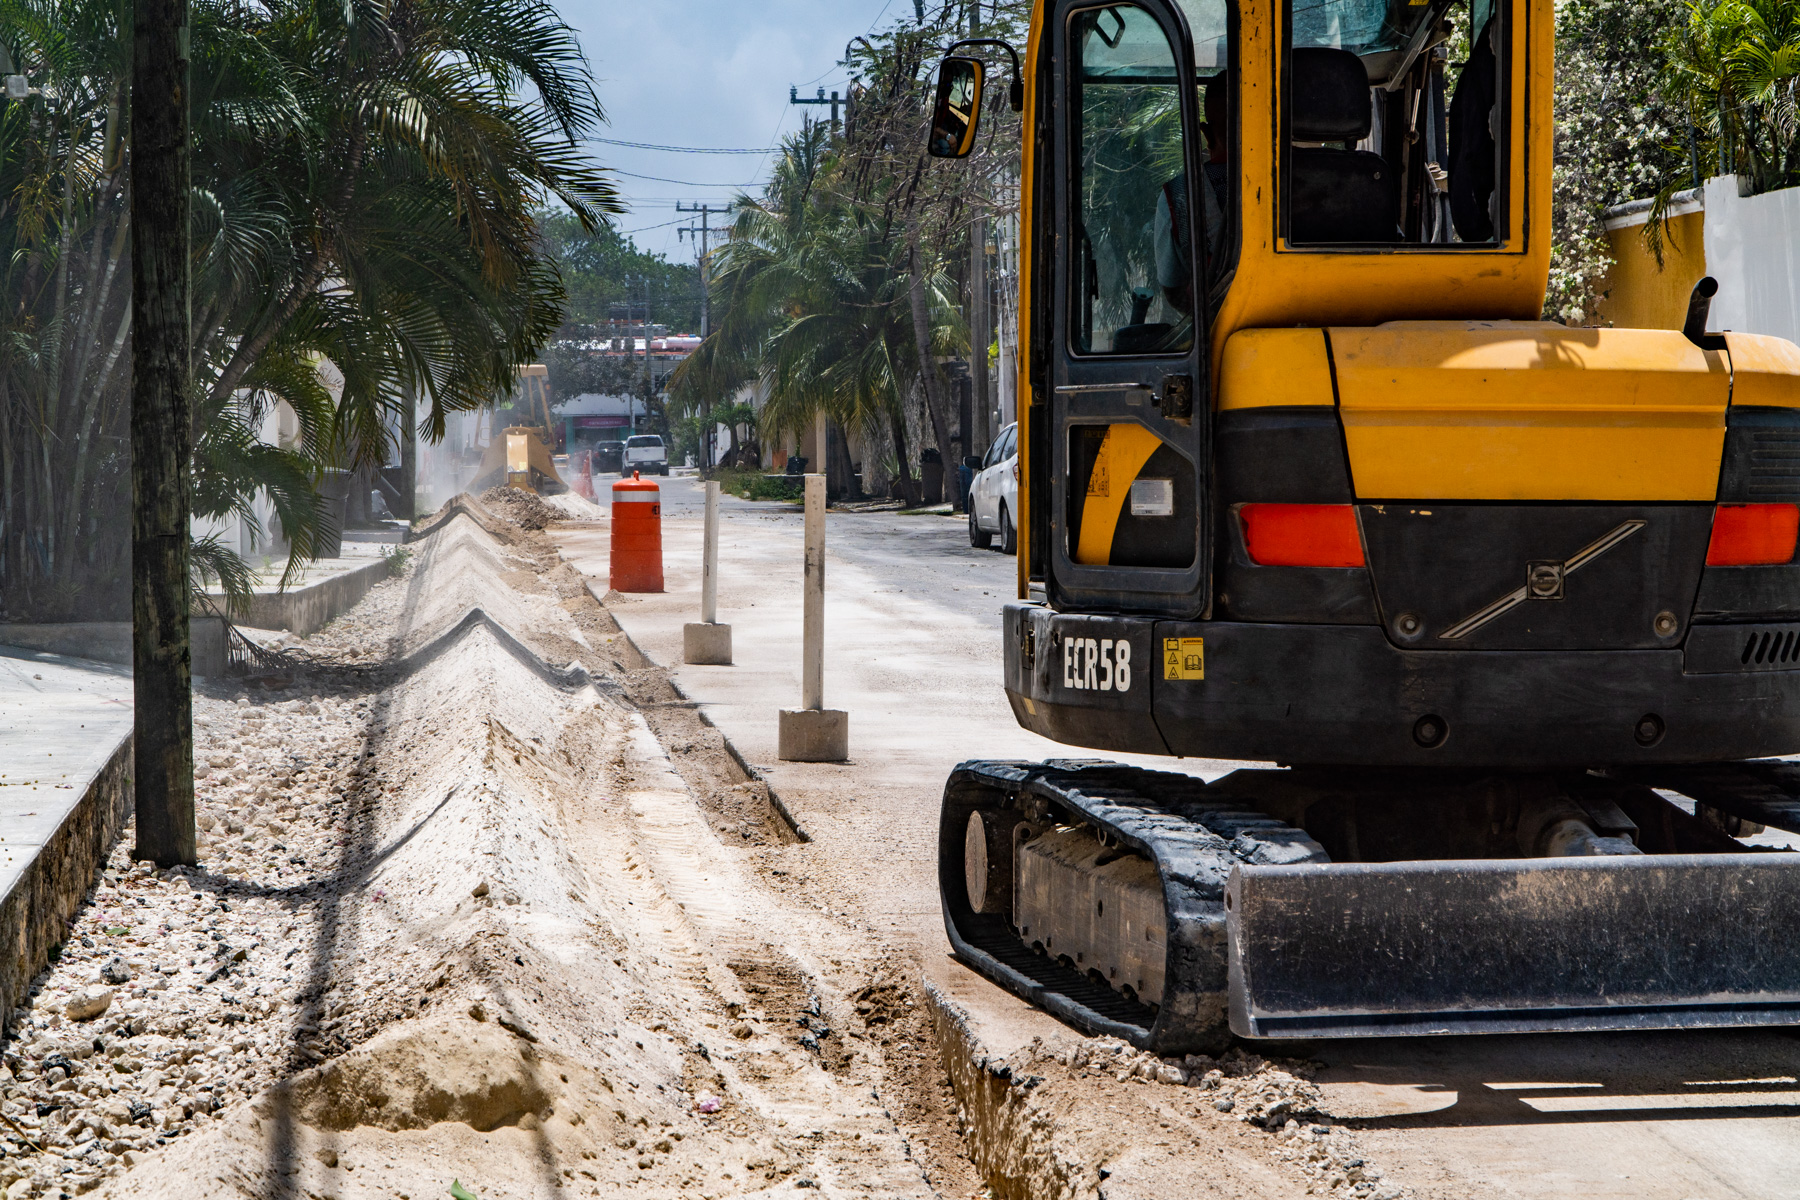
(177, 993)
(571, 507)
(524, 509)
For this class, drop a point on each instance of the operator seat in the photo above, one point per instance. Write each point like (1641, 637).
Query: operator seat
(1336, 195)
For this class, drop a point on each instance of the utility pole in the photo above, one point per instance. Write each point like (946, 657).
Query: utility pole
(821, 98)
(704, 233)
(161, 318)
(649, 371)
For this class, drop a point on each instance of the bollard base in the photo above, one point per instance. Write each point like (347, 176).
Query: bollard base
(814, 735)
(704, 644)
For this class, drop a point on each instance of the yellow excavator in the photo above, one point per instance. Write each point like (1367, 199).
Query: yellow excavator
(522, 441)
(1507, 612)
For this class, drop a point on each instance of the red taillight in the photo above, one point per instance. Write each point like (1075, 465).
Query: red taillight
(1746, 535)
(1302, 535)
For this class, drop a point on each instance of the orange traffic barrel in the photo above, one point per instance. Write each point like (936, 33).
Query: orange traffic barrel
(636, 535)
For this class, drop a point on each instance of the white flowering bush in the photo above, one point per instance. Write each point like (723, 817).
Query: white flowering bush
(1617, 139)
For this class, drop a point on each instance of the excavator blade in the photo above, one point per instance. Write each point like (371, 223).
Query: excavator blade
(1174, 913)
(1514, 945)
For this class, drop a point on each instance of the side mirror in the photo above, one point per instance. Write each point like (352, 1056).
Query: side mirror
(957, 113)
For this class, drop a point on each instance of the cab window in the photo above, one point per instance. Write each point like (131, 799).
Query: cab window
(1134, 209)
(1387, 141)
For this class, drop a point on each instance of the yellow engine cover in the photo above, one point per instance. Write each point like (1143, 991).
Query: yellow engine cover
(1442, 410)
(1527, 411)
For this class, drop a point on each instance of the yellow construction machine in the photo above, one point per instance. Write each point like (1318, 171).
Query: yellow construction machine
(522, 440)
(1508, 609)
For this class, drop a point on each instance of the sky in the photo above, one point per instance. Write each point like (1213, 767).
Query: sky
(708, 73)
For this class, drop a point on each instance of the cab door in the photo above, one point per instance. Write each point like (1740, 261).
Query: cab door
(1130, 501)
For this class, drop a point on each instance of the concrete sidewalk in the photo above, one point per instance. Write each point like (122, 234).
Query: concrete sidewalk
(65, 794)
(321, 589)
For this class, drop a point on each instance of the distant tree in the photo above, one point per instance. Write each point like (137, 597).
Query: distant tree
(576, 370)
(837, 289)
(603, 271)
(366, 179)
(736, 417)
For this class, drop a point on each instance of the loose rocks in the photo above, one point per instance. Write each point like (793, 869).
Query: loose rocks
(88, 1003)
(524, 509)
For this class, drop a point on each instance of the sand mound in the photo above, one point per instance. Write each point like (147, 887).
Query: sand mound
(473, 1072)
(576, 508)
(524, 509)
(532, 967)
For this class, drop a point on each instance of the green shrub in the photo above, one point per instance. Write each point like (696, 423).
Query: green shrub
(775, 487)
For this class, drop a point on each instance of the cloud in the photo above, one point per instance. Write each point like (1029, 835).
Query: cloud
(707, 73)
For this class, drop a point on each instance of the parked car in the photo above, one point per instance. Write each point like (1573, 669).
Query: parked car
(994, 496)
(608, 457)
(645, 453)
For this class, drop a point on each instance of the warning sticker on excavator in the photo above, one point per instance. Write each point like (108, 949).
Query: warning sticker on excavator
(1184, 658)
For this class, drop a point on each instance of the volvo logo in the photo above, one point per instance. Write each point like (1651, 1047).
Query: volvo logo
(1543, 581)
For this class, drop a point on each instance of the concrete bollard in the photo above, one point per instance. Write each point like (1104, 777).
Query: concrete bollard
(708, 643)
(814, 733)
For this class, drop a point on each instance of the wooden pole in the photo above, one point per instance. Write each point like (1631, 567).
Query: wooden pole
(708, 642)
(812, 732)
(160, 435)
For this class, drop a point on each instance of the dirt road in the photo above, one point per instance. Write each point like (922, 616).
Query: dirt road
(913, 653)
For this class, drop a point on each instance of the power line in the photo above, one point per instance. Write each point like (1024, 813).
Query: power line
(682, 182)
(679, 149)
(648, 228)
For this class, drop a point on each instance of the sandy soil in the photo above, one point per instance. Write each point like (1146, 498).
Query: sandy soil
(485, 900)
(460, 918)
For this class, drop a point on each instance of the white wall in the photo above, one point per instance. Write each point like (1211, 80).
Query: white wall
(1753, 250)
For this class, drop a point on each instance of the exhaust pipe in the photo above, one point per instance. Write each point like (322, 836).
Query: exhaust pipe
(1699, 309)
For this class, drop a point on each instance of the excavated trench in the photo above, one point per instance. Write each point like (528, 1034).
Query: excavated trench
(491, 934)
(483, 898)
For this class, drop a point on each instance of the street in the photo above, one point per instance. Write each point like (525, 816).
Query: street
(1407, 395)
(913, 654)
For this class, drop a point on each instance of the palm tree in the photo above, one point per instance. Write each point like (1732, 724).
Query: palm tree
(366, 179)
(1736, 64)
(816, 308)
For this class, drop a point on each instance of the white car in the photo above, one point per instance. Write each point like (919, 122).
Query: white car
(645, 453)
(994, 496)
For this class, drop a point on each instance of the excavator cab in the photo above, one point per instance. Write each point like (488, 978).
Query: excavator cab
(1508, 606)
